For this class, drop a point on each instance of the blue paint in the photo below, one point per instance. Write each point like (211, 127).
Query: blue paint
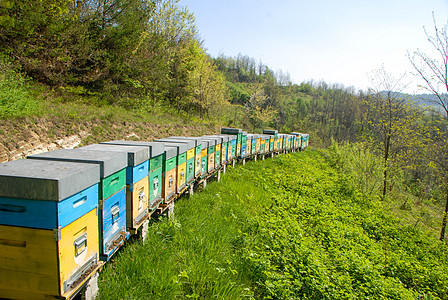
(110, 222)
(47, 214)
(137, 173)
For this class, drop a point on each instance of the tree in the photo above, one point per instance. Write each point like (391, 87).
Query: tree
(434, 72)
(388, 118)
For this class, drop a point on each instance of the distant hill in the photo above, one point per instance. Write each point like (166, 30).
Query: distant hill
(419, 99)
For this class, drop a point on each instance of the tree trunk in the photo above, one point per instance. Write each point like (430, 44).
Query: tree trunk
(442, 231)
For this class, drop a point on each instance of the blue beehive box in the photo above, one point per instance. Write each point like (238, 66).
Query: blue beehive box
(112, 192)
(137, 181)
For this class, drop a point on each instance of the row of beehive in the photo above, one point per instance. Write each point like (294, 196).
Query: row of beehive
(63, 212)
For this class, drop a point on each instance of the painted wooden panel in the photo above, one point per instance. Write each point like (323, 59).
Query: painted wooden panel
(47, 214)
(113, 221)
(169, 186)
(197, 167)
(211, 161)
(181, 176)
(190, 169)
(217, 157)
(224, 153)
(249, 147)
(28, 261)
(204, 165)
(137, 198)
(155, 187)
(182, 158)
(170, 164)
(191, 153)
(137, 173)
(113, 183)
(156, 162)
(78, 245)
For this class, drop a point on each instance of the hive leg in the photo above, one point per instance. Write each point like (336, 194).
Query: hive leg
(90, 291)
(145, 230)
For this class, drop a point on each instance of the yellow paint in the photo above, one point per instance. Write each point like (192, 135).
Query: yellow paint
(136, 201)
(257, 146)
(71, 257)
(197, 168)
(28, 261)
(249, 146)
(218, 147)
(190, 153)
(238, 150)
(204, 152)
(223, 155)
(229, 152)
(181, 175)
(211, 161)
(170, 183)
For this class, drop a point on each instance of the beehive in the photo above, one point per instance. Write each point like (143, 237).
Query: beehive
(181, 163)
(198, 152)
(156, 158)
(137, 181)
(224, 141)
(191, 155)
(48, 227)
(217, 152)
(112, 192)
(204, 157)
(243, 144)
(239, 135)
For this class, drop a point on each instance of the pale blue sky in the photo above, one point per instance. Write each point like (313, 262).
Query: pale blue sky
(336, 41)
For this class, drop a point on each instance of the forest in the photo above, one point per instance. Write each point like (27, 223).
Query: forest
(145, 56)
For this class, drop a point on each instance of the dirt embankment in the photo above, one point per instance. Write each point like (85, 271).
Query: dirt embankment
(20, 138)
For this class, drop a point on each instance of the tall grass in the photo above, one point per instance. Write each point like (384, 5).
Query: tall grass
(291, 227)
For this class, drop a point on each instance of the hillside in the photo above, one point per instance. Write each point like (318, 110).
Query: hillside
(296, 229)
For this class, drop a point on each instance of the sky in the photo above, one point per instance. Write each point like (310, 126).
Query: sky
(340, 42)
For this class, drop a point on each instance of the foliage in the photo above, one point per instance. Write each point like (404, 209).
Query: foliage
(297, 229)
(16, 99)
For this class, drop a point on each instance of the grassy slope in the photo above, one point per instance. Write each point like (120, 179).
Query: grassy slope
(289, 227)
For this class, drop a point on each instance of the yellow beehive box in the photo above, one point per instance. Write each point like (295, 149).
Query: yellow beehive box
(41, 263)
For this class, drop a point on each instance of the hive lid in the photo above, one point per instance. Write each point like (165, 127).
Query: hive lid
(181, 147)
(230, 136)
(170, 152)
(231, 130)
(223, 138)
(213, 138)
(46, 180)
(210, 141)
(244, 133)
(270, 131)
(136, 154)
(296, 133)
(197, 140)
(109, 161)
(155, 149)
(190, 143)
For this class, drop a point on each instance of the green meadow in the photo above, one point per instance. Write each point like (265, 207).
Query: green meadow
(290, 227)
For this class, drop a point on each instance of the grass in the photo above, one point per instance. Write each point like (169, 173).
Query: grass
(296, 229)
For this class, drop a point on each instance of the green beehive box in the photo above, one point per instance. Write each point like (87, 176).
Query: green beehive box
(217, 151)
(191, 155)
(155, 176)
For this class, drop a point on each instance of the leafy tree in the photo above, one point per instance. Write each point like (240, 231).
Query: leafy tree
(434, 72)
